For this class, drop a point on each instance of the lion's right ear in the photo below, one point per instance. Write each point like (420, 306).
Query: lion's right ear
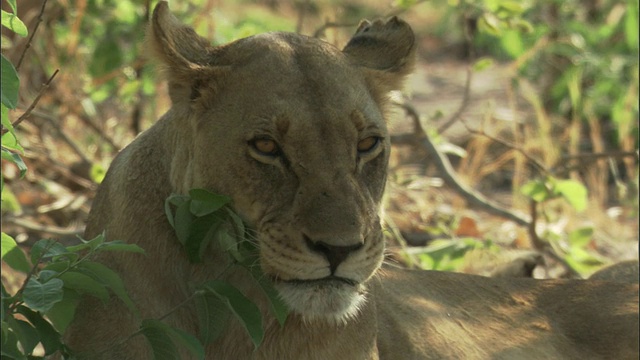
(186, 59)
(385, 52)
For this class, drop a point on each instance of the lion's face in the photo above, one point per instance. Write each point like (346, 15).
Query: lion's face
(292, 129)
(304, 158)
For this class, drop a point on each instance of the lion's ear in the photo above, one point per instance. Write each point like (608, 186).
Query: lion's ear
(385, 51)
(185, 58)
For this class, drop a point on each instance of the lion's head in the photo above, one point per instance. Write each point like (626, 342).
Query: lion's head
(293, 130)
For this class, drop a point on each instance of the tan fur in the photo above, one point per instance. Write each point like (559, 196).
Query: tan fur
(625, 271)
(319, 193)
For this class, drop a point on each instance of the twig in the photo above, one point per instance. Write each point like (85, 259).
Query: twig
(469, 33)
(448, 174)
(99, 81)
(80, 11)
(475, 198)
(35, 101)
(463, 105)
(33, 32)
(100, 132)
(532, 160)
(48, 229)
(136, 114)
(563, 164)
(302, 11)
(54, 123)
(531, 228)
(399, 10)
(63, 171)
(31, 273)
(328, 25)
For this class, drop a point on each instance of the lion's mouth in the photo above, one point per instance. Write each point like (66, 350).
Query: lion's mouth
(331, 298)
(325, 281)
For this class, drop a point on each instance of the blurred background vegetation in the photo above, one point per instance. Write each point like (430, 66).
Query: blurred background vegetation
(534, 104)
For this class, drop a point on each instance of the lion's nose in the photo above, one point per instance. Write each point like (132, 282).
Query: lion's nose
(335, 254)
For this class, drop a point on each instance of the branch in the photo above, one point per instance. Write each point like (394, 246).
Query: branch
(533, 161)
(563, 163)
(463, 105)
(475, 198)
(33, 32)
(330, 24)
(448, 174)
(399, 10)
(35, 101)
(56, 126)
(302, 11)
(48, 229)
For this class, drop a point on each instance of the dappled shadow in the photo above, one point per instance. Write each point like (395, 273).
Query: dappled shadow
(451, 315)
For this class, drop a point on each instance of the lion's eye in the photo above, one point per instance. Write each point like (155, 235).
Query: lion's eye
(265, 146)
(368, 144)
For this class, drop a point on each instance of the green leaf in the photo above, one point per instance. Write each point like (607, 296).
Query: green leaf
(84, 284)
(109, 278)
(581, 237)
(13, 255)
(42, 296)
(574, 83)
(228, 243)
(10, 345)
(513, 7)
(243, 308)
(511, 41)
(107, 56)
(57, 266)
(97, 173)
(46, 275)
(213, 316)
(46, 249)
(201, 232)
(279, 308)
(4, 303)
(182, 338)
(10, 202)
(183, 221)
(14, 7)
(536, 190)
(14, 158)
(582, 261)
(631, 25)
(482, 64)
(26, 334)
(10, 83)
(574, 192)
(49, 337)
(11, 143)
(204, 202)
(175, 200)
(12, 22)
(88, 244)
(489, 24)
(119, 245)
(61, 313)
(161, 344)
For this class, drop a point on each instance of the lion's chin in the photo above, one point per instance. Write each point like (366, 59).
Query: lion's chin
(330, 299)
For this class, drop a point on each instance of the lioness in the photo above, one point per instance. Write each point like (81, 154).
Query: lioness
(293, 130)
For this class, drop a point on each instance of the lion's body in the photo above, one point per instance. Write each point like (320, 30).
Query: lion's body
(292, 130)
(459, 316)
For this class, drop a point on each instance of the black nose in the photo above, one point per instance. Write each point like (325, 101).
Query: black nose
(335, 254)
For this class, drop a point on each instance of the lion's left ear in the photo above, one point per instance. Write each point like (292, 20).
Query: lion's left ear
(188, 61)
(385, 51)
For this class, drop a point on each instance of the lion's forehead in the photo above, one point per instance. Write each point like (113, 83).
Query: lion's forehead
(295, 65)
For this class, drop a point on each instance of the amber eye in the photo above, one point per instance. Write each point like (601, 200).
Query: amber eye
(265, 146)
(368, 144)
